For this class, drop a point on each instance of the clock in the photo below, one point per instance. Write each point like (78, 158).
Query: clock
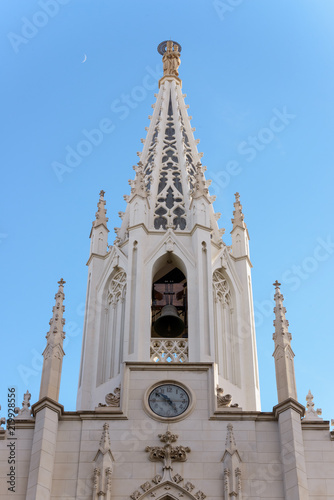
(168, 400)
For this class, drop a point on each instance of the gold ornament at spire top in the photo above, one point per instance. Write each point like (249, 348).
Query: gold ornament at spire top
(170, 52)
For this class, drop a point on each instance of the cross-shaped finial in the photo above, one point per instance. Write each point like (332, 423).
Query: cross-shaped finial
(237, 196)
(276, 284)
(61, 282)
(102, 193)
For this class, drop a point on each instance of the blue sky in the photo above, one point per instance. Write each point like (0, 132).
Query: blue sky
(259, 81)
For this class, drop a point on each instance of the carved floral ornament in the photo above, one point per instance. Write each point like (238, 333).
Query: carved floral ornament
(173, 485)
(113, 398)
(221, 288)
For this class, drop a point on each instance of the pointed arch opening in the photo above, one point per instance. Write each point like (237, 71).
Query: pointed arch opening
(169, 312)
(225, 325)
(112, 327)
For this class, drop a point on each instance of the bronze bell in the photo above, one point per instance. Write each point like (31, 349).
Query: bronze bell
(169, 324)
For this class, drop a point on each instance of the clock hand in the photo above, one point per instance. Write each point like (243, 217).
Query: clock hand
(169, 401)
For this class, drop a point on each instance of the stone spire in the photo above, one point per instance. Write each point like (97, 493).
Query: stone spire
(101, 214)
(99, 231)
(170, 169)
(240, 236)
(283, 354)
(53, 353)
(238, 220)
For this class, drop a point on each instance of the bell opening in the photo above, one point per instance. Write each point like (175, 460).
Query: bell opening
(169, 305)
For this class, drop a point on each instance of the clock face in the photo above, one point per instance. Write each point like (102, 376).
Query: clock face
(168, 400)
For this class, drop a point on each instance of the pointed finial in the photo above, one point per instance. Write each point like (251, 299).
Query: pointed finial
(25, 411)
(238, 216)
(280, 322)
(311, 413)
(230, 440)
(105, 439)
(101, 214)
(54, 352)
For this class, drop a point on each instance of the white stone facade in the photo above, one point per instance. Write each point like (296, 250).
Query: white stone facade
(220, 445)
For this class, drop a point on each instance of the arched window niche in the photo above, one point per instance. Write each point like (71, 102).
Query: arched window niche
(225, 324)
(169, 311)
(112, 327)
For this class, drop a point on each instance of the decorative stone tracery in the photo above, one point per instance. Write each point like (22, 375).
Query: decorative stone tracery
(225, 326)
(111, 340)
(169, 350)
(221, 288)
(117, 288)
(170, 191)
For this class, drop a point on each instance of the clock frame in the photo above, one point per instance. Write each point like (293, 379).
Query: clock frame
(170, 408)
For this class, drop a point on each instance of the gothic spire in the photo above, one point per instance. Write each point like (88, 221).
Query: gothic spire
(240, 236)
(238, 216)
(99, 231)
(283, 354)
(281, 324)
(53, 353)
(101, 214)
(170, 169)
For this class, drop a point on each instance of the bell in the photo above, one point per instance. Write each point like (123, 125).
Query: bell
(169, 324)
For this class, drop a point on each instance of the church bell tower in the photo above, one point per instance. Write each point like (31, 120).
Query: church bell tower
(169, 297)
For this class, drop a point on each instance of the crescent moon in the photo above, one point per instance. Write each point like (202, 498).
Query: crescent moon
(85, 59)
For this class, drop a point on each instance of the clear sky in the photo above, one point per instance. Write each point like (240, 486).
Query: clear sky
(258, 76)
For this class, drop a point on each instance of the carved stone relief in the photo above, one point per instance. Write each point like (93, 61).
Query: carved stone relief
(113, 398)
(224, 401)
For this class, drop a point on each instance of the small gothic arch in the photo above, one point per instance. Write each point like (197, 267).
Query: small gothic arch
(225, 325)
(112, 326)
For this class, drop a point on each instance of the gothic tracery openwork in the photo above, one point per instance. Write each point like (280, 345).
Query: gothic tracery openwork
(117, 287)
(221, 288)
(170, 202)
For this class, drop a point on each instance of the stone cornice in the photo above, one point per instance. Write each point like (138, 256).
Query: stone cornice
(149, 365)
(308, 425)
(47, 403)
(101, 257)
(236, 414)
(288, 404)
(243, 257)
